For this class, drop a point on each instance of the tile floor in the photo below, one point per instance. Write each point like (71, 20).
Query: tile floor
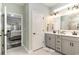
(42, 51)
(46, 51)
(17, 51)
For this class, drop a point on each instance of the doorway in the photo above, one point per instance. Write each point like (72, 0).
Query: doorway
(14, 31)
(11, 32)
(11, 27)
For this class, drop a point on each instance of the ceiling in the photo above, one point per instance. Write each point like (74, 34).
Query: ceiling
(49, 5)
(54, 5)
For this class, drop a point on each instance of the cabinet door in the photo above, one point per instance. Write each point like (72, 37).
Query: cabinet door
(47, 40)
(66, 47)
(52, 41)
(76, 48)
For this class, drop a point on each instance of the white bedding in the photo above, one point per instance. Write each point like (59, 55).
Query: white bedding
(15, 33)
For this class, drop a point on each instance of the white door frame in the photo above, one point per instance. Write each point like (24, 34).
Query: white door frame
(21, 16)
(5, 31)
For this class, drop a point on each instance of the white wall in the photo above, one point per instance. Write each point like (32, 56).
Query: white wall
(54, 23)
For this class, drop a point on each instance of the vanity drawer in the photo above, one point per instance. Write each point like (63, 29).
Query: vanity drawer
(58, 41)
(58, 48)
(58, 45)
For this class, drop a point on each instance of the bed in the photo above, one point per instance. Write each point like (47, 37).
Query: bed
(15, 34)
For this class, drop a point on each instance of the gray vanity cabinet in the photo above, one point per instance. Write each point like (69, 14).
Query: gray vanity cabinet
(70, 45)
(50, 40)
(76, 47)
(47, 40)
(66, 47)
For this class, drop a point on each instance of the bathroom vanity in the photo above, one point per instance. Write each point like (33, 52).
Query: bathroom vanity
(63, 33)
(65, 44)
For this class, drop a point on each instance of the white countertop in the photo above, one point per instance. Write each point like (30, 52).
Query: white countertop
(63, 34)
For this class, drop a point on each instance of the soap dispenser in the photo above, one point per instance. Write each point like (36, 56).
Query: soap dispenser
(54, 31)
(74, 33)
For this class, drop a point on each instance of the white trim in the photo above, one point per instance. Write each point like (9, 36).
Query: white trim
(0, 33)
(5, 25)
(21, 30)
(25, 48)
(28, 51)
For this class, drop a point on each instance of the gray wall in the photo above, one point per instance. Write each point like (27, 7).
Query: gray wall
(26, 27)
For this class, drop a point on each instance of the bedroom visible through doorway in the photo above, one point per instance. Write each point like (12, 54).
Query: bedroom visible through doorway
(14, 31)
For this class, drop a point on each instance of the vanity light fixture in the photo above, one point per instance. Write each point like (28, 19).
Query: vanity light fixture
(68, 7)
(65, 7)
(73, 7)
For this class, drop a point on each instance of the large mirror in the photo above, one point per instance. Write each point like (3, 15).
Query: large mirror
(70, 22)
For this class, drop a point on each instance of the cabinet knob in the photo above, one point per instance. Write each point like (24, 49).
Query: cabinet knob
(49, 38)
(58, 48)
(72, 44)
(58, 41)
(34, 33)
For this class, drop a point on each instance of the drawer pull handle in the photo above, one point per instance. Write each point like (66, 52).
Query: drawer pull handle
(58, 41)
(72, 44)
(49, 38)
(58, 48)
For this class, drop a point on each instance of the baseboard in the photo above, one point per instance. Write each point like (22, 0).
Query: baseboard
(28, 51)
